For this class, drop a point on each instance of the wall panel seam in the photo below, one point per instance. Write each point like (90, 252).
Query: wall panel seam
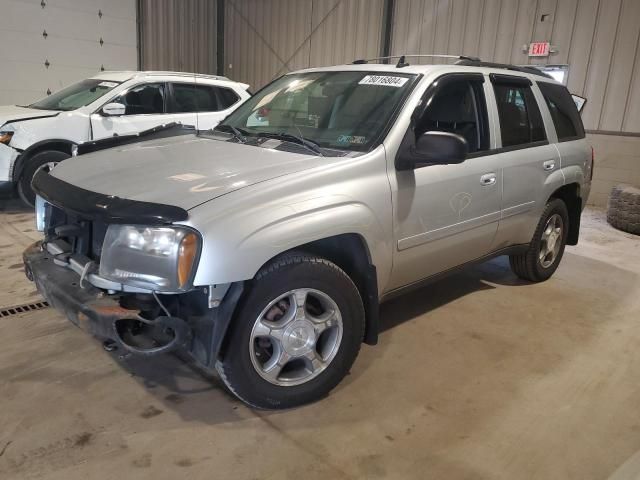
(623, 124)
(593, 37)
(613, 55)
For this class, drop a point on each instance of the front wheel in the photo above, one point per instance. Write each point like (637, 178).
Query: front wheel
(45, 161)
(545, 251)
(296, 335)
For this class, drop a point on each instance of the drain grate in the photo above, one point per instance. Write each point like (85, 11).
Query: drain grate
(27, 307)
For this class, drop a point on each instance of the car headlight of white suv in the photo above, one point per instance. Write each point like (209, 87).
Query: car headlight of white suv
(41, 213)
(153, 258)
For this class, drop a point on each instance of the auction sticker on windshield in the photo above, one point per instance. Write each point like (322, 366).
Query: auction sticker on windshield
(353, 139)
(385, 80)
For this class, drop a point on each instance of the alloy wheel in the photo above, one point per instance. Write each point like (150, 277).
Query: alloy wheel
(551, 240)
(295, 337)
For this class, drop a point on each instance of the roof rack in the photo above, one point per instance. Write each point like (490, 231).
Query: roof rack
(463, 60)
(151, 73)
(532, 70)
(402, 63)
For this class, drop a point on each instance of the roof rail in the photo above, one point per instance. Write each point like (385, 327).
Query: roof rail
(157, 73)
(477, 63)
(401, 58)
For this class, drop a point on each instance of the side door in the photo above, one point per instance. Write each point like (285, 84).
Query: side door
(145, 107)
(200, 105)
(447, 215)
(531, 165)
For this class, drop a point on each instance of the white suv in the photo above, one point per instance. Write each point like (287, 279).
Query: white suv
(40, 135)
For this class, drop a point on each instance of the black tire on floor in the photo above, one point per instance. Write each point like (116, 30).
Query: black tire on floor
(283, 275)
(528, 265)
(623, 212)
(35, 163)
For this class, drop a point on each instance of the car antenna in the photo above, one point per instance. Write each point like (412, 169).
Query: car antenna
(401, 62)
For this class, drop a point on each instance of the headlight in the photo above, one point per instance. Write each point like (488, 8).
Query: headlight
(5, 137)
(41, 213)
(155, 258)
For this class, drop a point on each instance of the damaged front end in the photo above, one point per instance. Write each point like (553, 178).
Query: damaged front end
(137, 323)
(103, 287)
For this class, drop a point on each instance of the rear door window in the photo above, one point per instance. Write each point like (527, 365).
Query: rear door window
(520, 118)
(191, 97)
(563, 111)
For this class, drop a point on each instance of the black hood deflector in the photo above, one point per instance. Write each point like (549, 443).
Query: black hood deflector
(105, 208)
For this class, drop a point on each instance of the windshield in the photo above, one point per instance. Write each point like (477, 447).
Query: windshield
(76, 96)
(341, 110)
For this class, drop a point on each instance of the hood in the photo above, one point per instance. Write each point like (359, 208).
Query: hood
(13, 113)
(184, 171)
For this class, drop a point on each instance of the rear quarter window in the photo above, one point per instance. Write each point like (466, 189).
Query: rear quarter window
(564, 113)
(227, 97)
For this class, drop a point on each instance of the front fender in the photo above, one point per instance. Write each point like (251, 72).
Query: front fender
(307, 226)
(243, 230)
(226, 260)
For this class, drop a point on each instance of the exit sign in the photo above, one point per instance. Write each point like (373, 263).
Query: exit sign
(539, 49)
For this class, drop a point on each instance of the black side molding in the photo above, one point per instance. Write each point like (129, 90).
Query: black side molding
(105, 208)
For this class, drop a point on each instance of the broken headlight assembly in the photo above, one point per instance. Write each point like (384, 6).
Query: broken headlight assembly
(155, 258)
(5, 137)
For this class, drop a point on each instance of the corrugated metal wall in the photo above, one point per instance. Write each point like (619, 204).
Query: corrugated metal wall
(178, 35)
(597, 38)
(266, 38)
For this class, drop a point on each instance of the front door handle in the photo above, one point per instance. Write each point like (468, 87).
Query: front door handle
(488, 179)
(549, 165)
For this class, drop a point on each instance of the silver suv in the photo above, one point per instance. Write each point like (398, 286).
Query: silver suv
(263, 247)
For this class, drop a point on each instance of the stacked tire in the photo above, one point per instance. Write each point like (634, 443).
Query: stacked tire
(624, 208)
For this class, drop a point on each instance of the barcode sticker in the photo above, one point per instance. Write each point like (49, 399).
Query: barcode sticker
(384, 80)
(108, 84)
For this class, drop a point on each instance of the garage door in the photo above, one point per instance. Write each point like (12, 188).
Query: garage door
(49, 44)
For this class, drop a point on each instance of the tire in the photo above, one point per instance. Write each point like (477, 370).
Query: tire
(249, 351)
(41, 160)
(623, 212)
(539, 262)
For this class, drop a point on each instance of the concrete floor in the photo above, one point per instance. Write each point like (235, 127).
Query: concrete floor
(479, 376)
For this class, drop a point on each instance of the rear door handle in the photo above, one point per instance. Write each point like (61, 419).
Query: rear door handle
(488, 179)
(549, 165)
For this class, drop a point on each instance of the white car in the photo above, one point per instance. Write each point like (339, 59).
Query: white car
(40, 135)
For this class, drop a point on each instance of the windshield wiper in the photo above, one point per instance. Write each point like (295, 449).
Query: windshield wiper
(236, 132)
(300, 140)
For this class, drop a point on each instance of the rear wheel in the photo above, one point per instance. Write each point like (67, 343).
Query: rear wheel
(296, 335)
(45, 160)
(545, 251)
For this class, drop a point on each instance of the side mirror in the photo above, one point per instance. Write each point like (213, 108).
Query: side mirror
(434, 148)
(113, 109)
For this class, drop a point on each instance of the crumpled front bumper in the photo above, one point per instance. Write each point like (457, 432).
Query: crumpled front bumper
(101, 314)
(88, 308)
